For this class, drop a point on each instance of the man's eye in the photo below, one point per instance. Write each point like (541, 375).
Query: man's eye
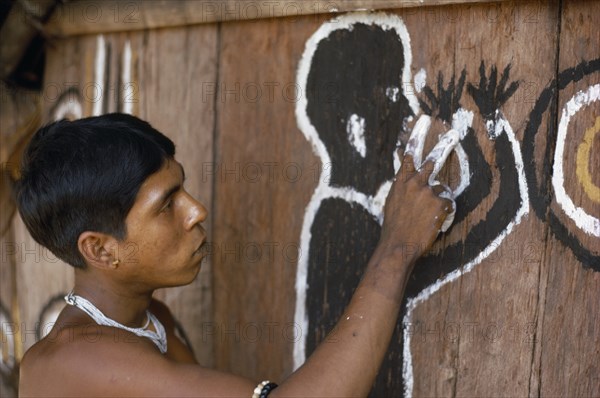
(167, 206)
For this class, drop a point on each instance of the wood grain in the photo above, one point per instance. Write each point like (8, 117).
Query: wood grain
(20, 115)
(258, 207)
(569, 339)
(487, 318)
(468, 321)
(88, 16)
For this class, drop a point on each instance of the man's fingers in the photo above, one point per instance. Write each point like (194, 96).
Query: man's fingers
(432, 165)
(444, 192)
(416, 142)
(437, 157)
(408, 164)
(438, 189)
(425, 172)
(447, 221)
(450, 209)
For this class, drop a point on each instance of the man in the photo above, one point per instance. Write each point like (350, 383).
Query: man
(105, 194)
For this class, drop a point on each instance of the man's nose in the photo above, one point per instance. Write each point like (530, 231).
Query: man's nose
(196, 213)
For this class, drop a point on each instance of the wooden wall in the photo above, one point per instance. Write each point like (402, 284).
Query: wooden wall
(20, 116)
(506, 301)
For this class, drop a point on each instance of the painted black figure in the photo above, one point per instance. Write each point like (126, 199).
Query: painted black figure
(357, 108)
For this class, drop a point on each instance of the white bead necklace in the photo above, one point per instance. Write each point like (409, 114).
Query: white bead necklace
(159, 337)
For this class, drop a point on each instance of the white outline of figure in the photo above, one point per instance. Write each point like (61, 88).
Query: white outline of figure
(373, 204)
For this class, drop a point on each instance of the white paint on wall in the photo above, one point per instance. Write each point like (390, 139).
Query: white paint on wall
(420, 80)
(127, 84)
(465, 171)
(462, 120)
(393, 93)
(584, 221)
(355, 129)
(99, 70)
(7, 348)
(71, 106)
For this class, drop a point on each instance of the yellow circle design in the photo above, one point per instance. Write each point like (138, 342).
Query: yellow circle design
(583, 160)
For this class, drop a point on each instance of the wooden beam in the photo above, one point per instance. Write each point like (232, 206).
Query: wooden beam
(91, 17)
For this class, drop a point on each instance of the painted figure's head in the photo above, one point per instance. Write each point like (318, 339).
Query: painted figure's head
(356, 83)
(84, 175)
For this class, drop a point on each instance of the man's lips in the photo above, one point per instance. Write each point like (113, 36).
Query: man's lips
(199, 248)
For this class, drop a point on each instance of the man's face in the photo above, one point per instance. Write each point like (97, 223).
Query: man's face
(163, 232)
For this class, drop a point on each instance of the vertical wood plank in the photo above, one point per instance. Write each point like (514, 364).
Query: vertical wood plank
(265, 174)
(19, 116)
(569, 344)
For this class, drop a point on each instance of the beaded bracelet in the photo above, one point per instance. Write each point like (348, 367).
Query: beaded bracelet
(263, 389)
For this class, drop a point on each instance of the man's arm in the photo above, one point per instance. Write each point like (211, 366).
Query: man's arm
(101, 364)
(348, 363)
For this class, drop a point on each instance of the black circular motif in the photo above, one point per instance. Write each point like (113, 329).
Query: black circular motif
(539, 191)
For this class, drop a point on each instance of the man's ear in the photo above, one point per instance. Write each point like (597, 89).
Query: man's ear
(98, 249)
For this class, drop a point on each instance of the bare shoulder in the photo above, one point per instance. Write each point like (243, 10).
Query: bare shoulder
(76, 359)
(85, 359)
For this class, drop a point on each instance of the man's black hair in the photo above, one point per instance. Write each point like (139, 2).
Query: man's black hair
(84, 175)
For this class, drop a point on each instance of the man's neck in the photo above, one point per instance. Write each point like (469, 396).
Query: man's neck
(121, 304)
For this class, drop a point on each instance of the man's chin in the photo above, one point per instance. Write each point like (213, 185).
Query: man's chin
(195, 271)
(188, 278)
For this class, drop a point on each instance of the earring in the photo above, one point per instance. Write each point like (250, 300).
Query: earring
(115, 263)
